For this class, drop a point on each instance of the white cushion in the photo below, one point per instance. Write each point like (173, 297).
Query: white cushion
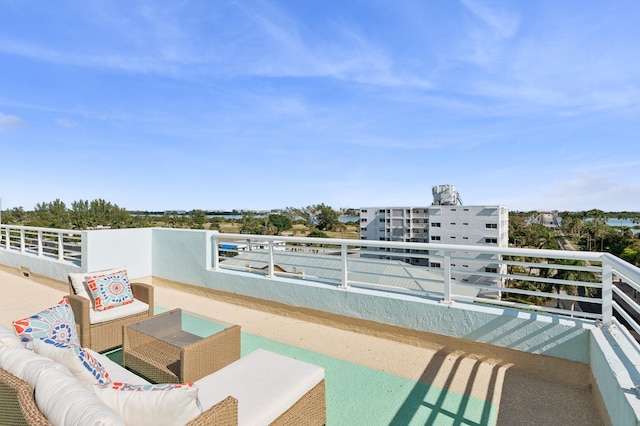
(265, 384)
(117, 373)
(65, 401)
(138, 306)
(78, 281)
(84, 367)
(28, 365)
(8, 338)
(158, 405)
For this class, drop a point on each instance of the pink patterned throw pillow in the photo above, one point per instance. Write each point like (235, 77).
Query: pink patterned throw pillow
(56, 323)
(111, 290)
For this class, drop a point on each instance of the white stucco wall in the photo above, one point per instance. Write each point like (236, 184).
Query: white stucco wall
(112, 248)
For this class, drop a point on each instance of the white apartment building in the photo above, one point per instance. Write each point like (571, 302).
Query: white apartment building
(444, 222)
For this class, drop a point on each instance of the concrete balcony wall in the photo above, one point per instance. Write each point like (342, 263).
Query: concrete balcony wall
(104, 249)
(184, 256)
(45, 266)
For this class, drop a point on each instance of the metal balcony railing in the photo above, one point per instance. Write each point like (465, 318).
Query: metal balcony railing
(55, 244)
(572, 283)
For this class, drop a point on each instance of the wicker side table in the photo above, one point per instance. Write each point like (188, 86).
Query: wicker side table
(179, 346)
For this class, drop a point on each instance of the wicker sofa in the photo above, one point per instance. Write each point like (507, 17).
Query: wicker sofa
(100, 334)
(259, 389)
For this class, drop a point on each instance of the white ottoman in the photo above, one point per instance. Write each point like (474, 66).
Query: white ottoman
(265, 384)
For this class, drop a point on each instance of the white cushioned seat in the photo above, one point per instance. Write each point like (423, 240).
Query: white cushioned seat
(137, 307)
(265, 384)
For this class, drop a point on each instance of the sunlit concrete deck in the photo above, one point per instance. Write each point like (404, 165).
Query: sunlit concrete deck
(527, 389)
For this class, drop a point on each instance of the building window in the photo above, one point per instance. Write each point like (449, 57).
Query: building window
(363, 211)
(435, 224)
(453, 210)
(363, 229)
(363, 220)
(435, 265)
(381, 220)
(491, 226)
(465, 210)
(435, 238)
(363, 238)
(491, 240)
(465, 223)
(491, 270)
(465, 238)
(453, 238)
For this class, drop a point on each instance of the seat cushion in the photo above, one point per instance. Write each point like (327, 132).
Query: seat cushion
(153, 404)
(8, 338)
(65, 401)
(137, 307)
(265, 384)
(28, 365)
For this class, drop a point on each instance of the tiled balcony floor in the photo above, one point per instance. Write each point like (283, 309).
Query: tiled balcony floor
(525, 389)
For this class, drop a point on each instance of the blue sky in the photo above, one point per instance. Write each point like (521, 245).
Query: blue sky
(269, 104)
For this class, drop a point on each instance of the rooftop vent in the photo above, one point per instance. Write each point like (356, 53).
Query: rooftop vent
(445, 195)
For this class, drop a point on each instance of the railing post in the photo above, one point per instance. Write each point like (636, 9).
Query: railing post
(271, 269)
(345, 272)
(60, 246)
(215, 247)
(40, 243)
(607, 293)
(22, 242)
(447, 277)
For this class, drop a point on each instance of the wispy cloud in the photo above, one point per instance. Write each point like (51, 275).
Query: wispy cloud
(488, 32)
(65, 122)
(8, 121)
(266, 41)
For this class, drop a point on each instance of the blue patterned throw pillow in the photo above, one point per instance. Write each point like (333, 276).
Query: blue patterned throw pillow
(56, 323)
(84, 367)
(111, 290)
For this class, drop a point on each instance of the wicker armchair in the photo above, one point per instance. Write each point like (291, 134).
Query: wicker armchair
(106, 335)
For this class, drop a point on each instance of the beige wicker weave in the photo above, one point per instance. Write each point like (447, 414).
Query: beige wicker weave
(17, 403)
(18, 407)
(195, 357)
(310, 410)
(107, 335)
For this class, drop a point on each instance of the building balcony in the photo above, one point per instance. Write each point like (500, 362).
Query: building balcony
(400, 343)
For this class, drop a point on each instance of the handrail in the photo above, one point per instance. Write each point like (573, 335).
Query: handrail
(63, 245)
(463, 273)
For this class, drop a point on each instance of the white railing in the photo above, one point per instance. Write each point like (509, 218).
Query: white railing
(54, 244)
(571, 283)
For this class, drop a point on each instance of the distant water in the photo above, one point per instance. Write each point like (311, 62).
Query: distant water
(619, 223)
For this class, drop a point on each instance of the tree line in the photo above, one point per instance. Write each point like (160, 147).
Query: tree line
(84, 214)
